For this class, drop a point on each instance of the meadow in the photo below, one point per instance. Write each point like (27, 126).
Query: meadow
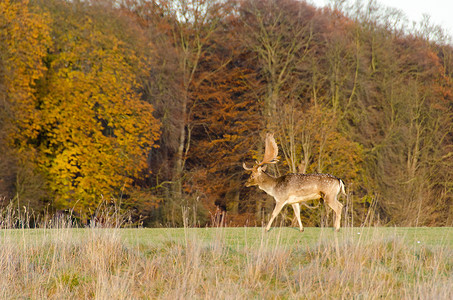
(61, 261)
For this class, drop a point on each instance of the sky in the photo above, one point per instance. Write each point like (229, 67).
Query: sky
(440, 11)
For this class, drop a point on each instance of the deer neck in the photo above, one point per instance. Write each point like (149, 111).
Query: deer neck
(267, 183)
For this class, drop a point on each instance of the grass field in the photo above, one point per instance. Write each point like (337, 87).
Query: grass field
(226, 263)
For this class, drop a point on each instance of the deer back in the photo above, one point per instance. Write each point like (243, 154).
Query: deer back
(302, 184)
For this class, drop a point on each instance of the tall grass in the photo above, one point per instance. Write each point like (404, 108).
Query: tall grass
(60, 261)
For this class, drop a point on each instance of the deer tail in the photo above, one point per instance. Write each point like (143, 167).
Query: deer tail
(342, 187)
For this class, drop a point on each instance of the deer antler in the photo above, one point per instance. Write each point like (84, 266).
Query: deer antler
(270, 150)
(245, 167)
(270, 153)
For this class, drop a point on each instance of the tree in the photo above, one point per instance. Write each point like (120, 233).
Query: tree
(395, 114)
(280, 33)
(95, 131)
(226, 118)
(181, 31)
(24, 40)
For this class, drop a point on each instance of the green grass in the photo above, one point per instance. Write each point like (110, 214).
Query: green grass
(196, 263)
(432, 236)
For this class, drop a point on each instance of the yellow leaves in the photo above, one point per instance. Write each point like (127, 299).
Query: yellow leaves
(315, 141)
(24, 38)
(95, 131)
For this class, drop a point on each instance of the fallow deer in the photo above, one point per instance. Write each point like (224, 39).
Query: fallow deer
(295, 188)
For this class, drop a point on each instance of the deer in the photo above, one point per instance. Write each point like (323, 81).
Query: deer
(294, 188)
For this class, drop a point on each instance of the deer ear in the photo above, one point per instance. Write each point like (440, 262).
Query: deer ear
(263, 168)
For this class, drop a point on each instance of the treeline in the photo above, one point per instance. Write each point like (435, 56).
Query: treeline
(152, 106)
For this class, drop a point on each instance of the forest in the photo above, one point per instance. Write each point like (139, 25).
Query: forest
(152, 106)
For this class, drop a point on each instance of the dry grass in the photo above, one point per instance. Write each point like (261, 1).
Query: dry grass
(62, 262)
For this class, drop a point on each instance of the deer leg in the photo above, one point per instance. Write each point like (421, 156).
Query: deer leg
(296, 208)
(337, 208)
(275, 213)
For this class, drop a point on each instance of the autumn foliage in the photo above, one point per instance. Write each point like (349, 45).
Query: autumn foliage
(152, 106)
